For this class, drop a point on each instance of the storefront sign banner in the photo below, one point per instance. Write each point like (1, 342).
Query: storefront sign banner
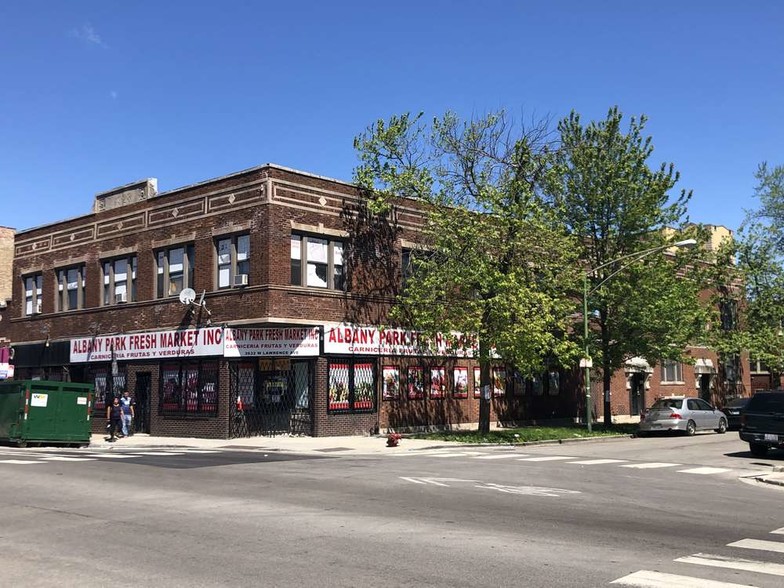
(350, 339)
(150, 345)
(289, 341)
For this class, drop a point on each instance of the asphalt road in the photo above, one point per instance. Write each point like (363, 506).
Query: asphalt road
(582, 514)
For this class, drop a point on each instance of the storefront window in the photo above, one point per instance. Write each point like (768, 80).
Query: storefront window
(189, 388)
(352, 386)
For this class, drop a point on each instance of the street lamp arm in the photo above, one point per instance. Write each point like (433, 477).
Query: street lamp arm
(644, 253)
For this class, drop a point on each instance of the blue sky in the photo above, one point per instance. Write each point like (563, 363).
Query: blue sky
(96, 94)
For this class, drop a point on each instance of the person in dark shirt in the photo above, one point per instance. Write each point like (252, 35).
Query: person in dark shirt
(114, 416)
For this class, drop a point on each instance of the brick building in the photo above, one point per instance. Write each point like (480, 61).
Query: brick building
(246, 304)
(254, 303)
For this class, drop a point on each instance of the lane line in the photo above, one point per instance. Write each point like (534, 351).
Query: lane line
(545, 458)
(61, 458)
(704, 471)
(649, 579)
(778, 531)
(747, 565)
(597, 461)
(759, 544)
(648, 466)
(145, 453)
(414, 480)
(508, 456)
(19, 461)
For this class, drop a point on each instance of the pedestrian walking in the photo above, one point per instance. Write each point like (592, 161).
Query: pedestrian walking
(128, 413)
(114, 416)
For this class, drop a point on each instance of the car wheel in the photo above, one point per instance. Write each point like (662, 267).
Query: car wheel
(722, 427)
(758, 449)
(691, 428)
(642, 433)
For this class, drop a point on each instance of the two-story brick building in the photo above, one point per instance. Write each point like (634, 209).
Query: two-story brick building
(255, 303)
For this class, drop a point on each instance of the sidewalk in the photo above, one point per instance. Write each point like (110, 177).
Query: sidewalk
(354, 445)
(359, 445)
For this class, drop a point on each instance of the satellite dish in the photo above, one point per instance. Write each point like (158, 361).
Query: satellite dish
(187, 296)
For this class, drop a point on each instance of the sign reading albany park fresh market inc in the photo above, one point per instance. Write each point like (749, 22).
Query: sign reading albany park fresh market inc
(149, 345)
(390, 341)
(288, 341)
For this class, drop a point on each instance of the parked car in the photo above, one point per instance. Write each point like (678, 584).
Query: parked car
(679, 413)
(733, 409)
(762, 422)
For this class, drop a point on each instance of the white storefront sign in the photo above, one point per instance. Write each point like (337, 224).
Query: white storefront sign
(149, 345)
(289, 341)
(351, 339)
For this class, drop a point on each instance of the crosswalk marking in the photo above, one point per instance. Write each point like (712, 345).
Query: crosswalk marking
(704, 470)
(164, 453)
(747, 565)
(19, 461)
(545, 458)
(63, 458)
(759, 544)
(778, 531)
(596, 461)
(502, 456)
(649, 579)
(647, 466)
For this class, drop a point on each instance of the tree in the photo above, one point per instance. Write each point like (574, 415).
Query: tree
(618, 208)
(493, 259)
(759, 251)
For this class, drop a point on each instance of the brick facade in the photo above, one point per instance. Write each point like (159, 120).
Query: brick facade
(268, 204)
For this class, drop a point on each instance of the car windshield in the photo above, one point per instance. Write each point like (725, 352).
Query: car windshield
(737, 402)
(665, 403)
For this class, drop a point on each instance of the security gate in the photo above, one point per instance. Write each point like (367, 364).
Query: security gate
(270, 397)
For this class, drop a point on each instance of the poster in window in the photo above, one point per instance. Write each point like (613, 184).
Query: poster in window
(477, 382)
(461, 382)
(364, 386)
(338, 386)
(170, 375)
(391, 383)
(416, 385)
(437, 382)
(499, 381)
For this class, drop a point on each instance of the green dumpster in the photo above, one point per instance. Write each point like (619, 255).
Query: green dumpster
(38, 411)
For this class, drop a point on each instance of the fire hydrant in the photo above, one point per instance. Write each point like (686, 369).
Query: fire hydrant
(393, 439)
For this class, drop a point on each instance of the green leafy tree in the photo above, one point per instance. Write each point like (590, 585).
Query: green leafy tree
(493, 259)
(619, 208)
(759, 251)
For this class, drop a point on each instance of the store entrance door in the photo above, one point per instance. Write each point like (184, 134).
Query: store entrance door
(141, 394)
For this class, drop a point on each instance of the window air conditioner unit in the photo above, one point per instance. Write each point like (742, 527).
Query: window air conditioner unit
(37, 308)
(123, 297)
(240, 280)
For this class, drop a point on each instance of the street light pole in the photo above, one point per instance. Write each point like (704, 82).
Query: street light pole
(586, 356)
(588, 363)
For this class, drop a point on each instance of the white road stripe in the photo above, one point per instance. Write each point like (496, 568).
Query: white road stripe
(116, 455)
(648, 579)
(545, 458)
(144, 453)
(61, 458)
(778, 531)
(19, 461)
(505, 456)
(597, 461)
(414, 480)
(747, 565)
(449, 454)
(760, 544)
(647, 466)
(704, 471)
(203, 451)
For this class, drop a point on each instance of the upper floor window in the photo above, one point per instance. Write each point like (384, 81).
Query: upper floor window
(233, 261)
(174, 270)
(671, 371)
(70, 288)
(317, 262)
(32, 288)
(119, 280)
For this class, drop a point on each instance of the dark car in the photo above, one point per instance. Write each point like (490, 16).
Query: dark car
(734, 409)
(762, 422)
